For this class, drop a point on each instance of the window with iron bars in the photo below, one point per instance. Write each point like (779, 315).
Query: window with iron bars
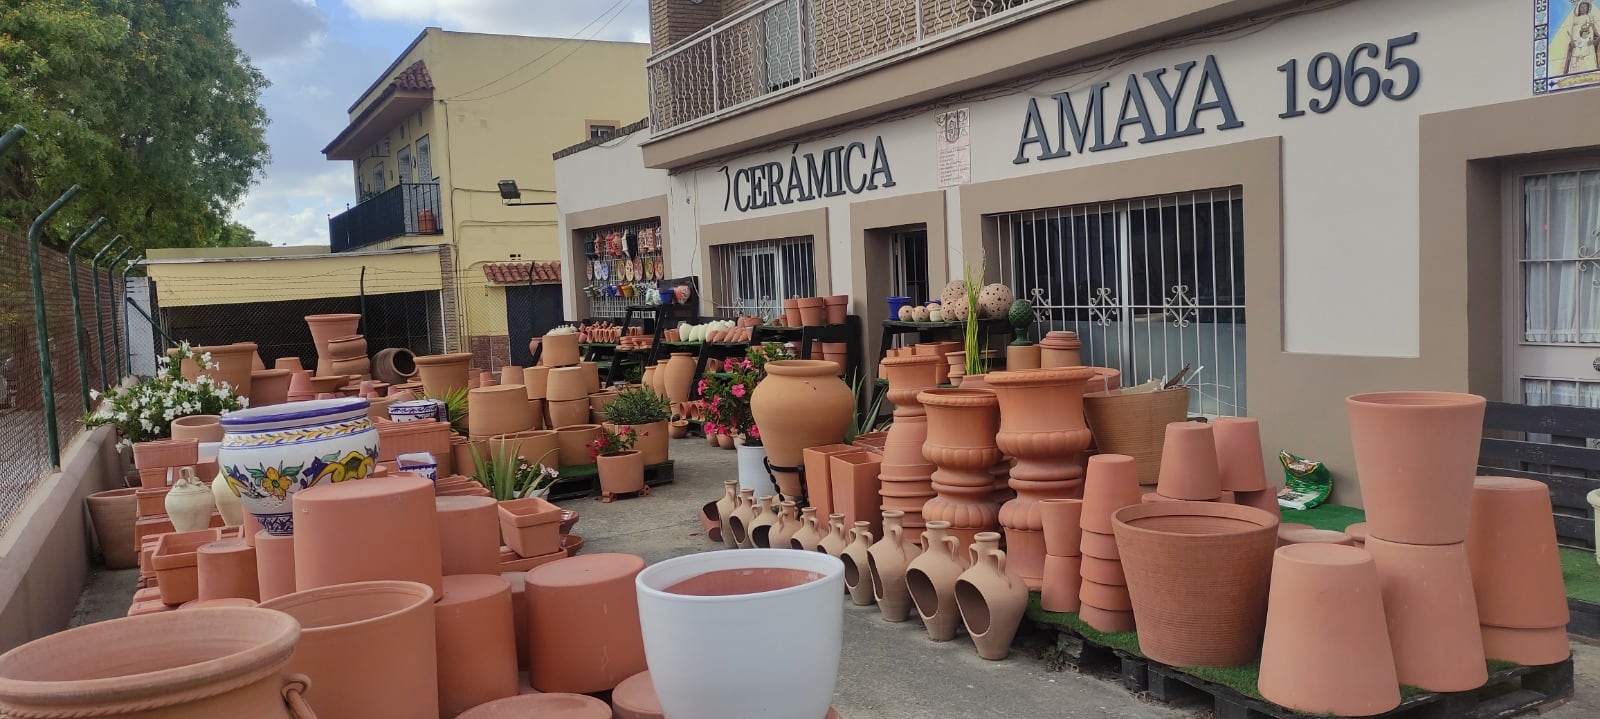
(1150, 286)
(755, 277)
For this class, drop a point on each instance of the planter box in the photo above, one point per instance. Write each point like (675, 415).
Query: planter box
(155, 477)
(176, 564)
(854, 480)
(164, 453)
(531, 527)
(151, 502)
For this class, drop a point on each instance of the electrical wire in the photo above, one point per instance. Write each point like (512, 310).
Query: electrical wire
(542, 55)
(625, 5)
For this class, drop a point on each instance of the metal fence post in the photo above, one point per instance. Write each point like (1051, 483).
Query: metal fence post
(10, 138)
(111, 294)
(78, 334)
(99, 323)
(46, 379)
(127, 319)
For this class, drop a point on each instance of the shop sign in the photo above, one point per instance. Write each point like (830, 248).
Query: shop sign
(836, 171)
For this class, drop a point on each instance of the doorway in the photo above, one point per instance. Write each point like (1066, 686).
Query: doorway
(531, 311)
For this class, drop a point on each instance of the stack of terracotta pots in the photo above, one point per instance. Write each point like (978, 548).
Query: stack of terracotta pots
(348, 356)
(1416, 457)
(906, 476)
(502, 410)
(1241, 463)
(1516, 572)
(1060, 348)
(1111, 483)
(1063, 561)
(326, 328)
(566, 397)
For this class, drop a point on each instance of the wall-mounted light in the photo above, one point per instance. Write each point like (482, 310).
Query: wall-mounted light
(509, 191)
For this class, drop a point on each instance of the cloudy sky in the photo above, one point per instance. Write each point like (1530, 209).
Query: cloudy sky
(321, 54)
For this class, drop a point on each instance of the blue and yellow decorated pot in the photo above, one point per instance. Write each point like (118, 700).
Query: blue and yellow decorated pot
(269, 453)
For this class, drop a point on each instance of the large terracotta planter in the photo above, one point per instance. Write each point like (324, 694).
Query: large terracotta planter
(584, 618)
(469, 535)
(887, 561)
(1516, 571)
(961, 443)
(679, 372)
(621, 473)
(368, 648)
(384, 529)
(234, 363)
(443, 374)
(1432, 613)
(501, 409)
(653, 442)
(1197, 573)
(324, 329)
(931, 579)
(906, 478)
(1135, 424)
(574, 443)
(559, 350)
(112, 513)
(991, 598)
(198, 427)
(564, 384)
(800, 404)
(1416, 454)
(1340, 662)
(567, 413)
(686, 599)
(476, 650)
(270, 453)
(200, 664)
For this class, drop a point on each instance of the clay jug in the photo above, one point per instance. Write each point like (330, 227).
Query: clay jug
(189, 502)
(679, 371)
(886, 563)
(836, 539)
(743, 515)
(214, 662)
(761, 525)
(931, 579)
(227, 500)
(800, 404)
(857, 577)
(810, 534)
(788, 523)
(990, 598)
(725, 507)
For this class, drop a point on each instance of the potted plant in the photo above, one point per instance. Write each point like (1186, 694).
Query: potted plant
(509, 475)
(144, 412)
(455, 407)
(976, 364)
(648, 413)
(621, 466)
(865, 420)
(727, 397)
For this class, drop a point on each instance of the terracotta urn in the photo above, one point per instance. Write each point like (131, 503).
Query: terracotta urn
(270, 453)
(1339, 663)
(443, 374)
(764, 518)
(1042, 426)
(1197, 574)
(324, 328)
(906, 476)
(725, 508)
(395, 365)
(368, 648)
(1416, 455)
(834, 541)
(198, 427)
(1516, 571)
(744, 514)
(365, 531)
(685, 599)
(931, 579)
(800, 404)
(1189, 463)
(214, 662)
(810, 533)
(1429, 603)
(991, 598)
(962, 425)
(560, 350)
(887, 561)
(679, 371)
(189, 502)
(857, 578)
(269, 387)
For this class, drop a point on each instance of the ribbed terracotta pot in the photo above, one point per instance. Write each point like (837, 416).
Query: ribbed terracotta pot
(1416, 455)
(800, 404)
(198, 664)
(442, 374)
(962, 425)
(1432, 613)
(368, 648)
(1197, 574)
(324, 328)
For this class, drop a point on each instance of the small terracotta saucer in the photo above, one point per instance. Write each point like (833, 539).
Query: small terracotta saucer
(571, 543)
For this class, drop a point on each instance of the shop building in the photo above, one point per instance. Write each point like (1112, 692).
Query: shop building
(1300, 201)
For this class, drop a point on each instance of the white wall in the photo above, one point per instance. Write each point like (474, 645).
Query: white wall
(601, 176)
(140, 340)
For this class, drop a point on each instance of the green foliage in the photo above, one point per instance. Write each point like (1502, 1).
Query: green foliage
(612, 444)
(510, 476)
(639, 405)
(455, 405)
(149, 105)
(144, 412)
(975, 364)
(866, 420)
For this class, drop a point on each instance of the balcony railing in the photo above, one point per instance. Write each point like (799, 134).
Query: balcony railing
(405, 209)
(781, 44)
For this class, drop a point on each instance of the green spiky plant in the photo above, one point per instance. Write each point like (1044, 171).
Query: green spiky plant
(976, 364)
(639, 405)
(455, 405)
(509, 476)
(865, 421)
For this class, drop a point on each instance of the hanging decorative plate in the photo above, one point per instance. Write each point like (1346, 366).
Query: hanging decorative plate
(588, 269)
(638, 268)
(602, 270)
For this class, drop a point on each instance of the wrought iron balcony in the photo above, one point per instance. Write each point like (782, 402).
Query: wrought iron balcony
(780, 45)
(405, 209)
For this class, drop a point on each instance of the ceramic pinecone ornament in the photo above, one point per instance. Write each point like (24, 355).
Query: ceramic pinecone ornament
(994, 300)
(1021, 318)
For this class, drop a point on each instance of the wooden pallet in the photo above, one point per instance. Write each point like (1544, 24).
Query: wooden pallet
(584, 481)
(1510, 691)
(1585, 621)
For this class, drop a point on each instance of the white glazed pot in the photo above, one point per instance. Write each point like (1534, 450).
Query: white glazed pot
(189, 503)
(269, 453)
(805, 620)
(753, 470)
(413, 410)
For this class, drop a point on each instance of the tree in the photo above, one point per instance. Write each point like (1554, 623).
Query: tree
(147, 104)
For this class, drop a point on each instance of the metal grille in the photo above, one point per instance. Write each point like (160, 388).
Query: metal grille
(1149, 285)
(779, 44)
(908, 265)
(753, 278)
(621, 264)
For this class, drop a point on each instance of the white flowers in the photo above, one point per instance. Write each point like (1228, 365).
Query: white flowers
(145, 411)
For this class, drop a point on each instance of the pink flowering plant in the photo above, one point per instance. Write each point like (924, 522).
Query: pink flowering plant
(612, 444)
(727, 393)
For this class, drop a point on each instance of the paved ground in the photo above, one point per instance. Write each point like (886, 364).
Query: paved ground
(888, 671)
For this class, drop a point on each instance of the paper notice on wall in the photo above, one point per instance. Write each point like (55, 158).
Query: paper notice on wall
(955, 148)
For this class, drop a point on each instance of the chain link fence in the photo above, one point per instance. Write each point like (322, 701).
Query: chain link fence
(24, 426)
(499, 316)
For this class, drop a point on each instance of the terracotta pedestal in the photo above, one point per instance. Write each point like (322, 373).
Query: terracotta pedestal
(906, 477)
(365, 531)
(274, 564)
(961, 443)
(583, 623)
(476, 647)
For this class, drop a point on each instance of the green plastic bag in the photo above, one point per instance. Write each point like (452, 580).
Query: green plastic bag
(1306, 482)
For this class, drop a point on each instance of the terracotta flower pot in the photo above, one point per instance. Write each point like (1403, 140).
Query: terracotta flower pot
(324, 328)
(962, 425)
(475, 647)
(991, 599)
(813, 311)
(1189, 463)
(564, 706)
(1062, 583)
(1239, 455)
(1516, 566)
(227, 570)
(469, 536)
(1416, 455)
(559, 350)
(838, 308)
(574, 441)
(1023, 357)
(621, 473)
(887, 561)
(536, 381)
(112, 514)
(271, 453)
(291, 364)
(347, 347)
(1340, 662)
(566, 383)
(368, 648)
(584, 623)
(591, 375)
(681, 599)
(1111, 482)
(791, 313)
(1061, 526)
(1060, 348)
(931, 579)
(678, 429)
(443, 374)
(234, 363)
(652, 442)
(268, 387)
(300, 388)
(198, 427)
(211, 663)
(854, 480)
(367, 531)
(800, 404)
(857, 577)
(567, 413)
(1197, 574)
(1429, 604)
(819, 480)
(501, 409)
(531, 526)
(274, 564)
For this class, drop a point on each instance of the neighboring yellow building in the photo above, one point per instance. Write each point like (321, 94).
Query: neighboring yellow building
(431, 141)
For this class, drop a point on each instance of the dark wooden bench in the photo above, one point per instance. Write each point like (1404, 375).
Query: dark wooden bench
(1562, 459)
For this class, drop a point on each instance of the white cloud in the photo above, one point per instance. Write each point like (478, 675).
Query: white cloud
(547, 18)
(295, 210)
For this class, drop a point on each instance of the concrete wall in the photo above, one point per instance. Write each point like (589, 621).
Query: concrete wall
(238, 280)
(45, 553)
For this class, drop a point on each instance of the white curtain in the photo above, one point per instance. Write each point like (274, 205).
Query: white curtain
(1560, 393)
(1561, 258)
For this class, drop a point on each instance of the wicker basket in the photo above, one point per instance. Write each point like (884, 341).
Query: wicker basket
(1135, 424)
